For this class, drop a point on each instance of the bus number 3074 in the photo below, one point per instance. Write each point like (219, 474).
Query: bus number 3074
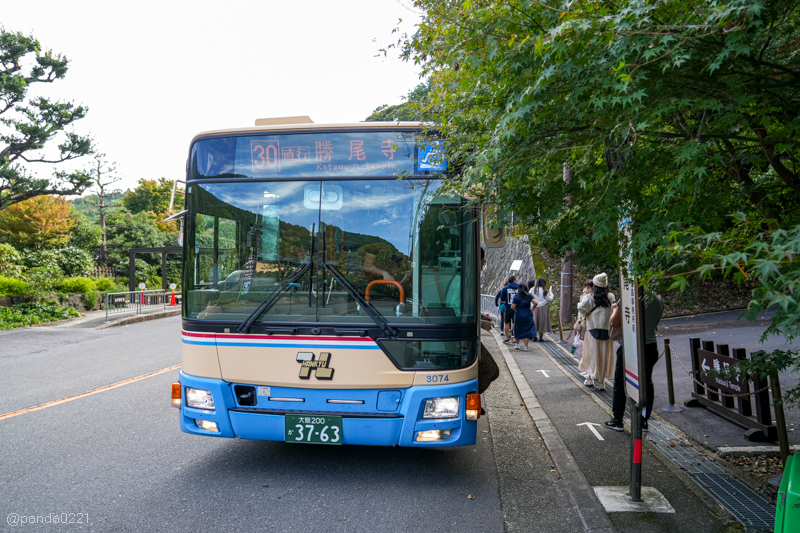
(323, 433)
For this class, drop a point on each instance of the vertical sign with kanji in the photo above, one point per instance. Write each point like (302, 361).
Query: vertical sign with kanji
(631, 317)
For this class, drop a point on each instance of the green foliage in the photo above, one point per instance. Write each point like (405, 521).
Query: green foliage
(85, 204)
(693, 106)
(11, 286)
(410, 110)
(69, 260)
(42, 280)
(105, 284)
(84, 233)
(764, 260)
(126, 231)
(34, 123)
(77, 285)
(10, 261)
(151, 195)
(26, 314)
(90, 299)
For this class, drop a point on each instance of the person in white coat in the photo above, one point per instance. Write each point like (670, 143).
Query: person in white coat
(598, 359)
(541, 315)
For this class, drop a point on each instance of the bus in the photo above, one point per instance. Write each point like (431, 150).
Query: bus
(330, 288)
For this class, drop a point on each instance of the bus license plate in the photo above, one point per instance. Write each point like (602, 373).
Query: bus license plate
(314, 429)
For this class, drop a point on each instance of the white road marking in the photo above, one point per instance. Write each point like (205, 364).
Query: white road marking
(591, 425)
(544, 372)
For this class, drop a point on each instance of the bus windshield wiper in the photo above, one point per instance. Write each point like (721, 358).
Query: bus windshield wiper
(247, 323)
(368, 308)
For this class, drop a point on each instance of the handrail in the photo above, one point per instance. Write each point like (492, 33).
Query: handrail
(386, 282)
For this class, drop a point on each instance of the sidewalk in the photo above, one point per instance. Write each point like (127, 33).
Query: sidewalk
(563, 411)
(97, 319)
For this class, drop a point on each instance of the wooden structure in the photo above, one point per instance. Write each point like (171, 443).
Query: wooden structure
(739, 410)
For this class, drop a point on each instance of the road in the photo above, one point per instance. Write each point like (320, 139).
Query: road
(118, 456)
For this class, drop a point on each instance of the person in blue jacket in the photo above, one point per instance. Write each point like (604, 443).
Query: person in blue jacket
(506, 298)
(524, 326)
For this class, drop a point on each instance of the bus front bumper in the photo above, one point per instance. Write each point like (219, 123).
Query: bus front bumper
(374, 422)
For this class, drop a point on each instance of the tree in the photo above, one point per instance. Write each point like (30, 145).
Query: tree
(693, 106)
(151, 195)
(37, 223)
(35, 123)
(411, 109)
(677, 114)
(102, 175)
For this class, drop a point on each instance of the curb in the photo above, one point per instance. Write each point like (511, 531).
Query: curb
(140, 318)
(590, 511)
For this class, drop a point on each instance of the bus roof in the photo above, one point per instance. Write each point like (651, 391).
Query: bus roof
(318, 127)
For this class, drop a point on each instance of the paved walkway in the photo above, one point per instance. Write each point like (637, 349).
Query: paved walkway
(601, 458)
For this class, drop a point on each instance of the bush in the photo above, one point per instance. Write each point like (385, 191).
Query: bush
(105, 284)
(70, 260)
(90, 300)
(78, 285)
(33, 313)
(42, 280)
(11, 286)
(10, 261)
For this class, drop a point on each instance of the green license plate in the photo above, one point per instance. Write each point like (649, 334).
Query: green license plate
(314, 429)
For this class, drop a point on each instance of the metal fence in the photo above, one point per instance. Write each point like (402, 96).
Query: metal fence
(138, 301)
(487, 305)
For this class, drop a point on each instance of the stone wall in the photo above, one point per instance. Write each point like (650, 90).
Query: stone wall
(498, 265)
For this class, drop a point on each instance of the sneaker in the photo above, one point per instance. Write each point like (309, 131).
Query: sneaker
(585, 374)
(615, 424)
(602, 386)
(506, 341)
(644, 425)
(516, 346)
(525, 349)
(589, 382)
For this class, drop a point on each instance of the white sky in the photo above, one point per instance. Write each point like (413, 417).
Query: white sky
(154, 74)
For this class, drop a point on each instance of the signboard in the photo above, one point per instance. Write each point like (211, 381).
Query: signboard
(516, 264)
(713, 361)
(119, 299)
(173, 286)
(632, 319)
(344, 153)
(431, 157)
(142, 286)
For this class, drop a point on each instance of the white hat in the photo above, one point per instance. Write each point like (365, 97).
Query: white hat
(600, 280)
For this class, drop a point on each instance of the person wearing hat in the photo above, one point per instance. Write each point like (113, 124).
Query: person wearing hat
(598, 359)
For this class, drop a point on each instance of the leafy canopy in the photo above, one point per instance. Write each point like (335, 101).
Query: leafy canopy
(692, 104)
(37, 223)
(32, 124)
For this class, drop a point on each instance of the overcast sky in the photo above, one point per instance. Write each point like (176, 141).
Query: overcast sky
(154, 74)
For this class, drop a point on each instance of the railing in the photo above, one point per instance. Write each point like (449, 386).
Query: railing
(138, 301)
(487, 305)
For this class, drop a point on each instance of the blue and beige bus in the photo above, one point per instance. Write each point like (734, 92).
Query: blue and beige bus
(330, 288)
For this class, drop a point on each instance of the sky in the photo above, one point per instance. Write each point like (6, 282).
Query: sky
(154, 74)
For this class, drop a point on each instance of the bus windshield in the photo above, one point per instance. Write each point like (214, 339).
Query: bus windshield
(404, 246)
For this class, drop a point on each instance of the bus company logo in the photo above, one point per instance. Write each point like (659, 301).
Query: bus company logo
(321, 368)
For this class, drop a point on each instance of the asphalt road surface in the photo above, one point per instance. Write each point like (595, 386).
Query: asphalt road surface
(115, 460)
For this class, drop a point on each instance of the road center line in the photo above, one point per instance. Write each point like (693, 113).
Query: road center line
(12, 414)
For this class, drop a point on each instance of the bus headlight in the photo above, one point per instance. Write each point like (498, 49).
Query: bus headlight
(199, 399)
(441, 408)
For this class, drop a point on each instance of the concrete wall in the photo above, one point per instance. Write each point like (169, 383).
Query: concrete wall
(498, 265)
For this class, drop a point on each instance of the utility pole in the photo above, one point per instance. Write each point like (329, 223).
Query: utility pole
(566, 266)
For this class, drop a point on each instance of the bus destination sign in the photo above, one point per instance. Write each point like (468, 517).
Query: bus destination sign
(365, 153)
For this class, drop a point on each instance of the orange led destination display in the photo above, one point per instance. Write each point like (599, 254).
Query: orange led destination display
(340, 154)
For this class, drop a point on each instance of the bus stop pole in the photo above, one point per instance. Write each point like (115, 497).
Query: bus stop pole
(636, 412)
